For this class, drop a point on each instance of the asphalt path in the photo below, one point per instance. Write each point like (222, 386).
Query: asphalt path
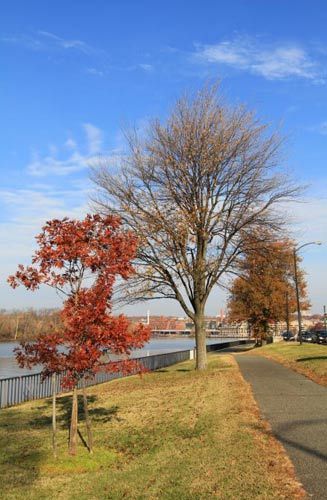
(296, 408)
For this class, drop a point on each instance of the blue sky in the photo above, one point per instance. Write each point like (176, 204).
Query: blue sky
(74, 73)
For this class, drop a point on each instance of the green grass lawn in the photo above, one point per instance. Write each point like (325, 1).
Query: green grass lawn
(309, 359)
(173, 434)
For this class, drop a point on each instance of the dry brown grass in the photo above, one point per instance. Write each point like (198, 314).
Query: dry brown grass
(172, 434)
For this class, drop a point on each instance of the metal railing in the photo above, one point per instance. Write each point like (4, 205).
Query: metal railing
(16, 390)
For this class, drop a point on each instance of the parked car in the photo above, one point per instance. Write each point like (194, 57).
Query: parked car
(288, 336)
(314, 337)
(320, 336)
(308, 337)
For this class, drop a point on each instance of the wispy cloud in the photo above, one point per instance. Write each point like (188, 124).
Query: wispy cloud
(23, 40)
(72, 157)
(97, 62)
(66, 43)
(310, 218)
(27, 211)
(94, 138)
(41, 166)
(94, 72)
(146, 67)
(320, 128)
(44, 40)
(58, 162)
(273, 61)
(70, 143)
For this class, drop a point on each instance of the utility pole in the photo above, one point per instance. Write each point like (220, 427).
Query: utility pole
(325, 319)
(299, 317)
(287, 313)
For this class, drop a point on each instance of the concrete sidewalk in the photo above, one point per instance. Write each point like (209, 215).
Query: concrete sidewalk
(296, 408)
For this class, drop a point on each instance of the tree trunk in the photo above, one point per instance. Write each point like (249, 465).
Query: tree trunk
(87, 420)
(16, 329)
(200, 336)
(54, 422)
(73, 425)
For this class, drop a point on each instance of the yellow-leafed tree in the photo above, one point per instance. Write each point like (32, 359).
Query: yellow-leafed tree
(264, 291)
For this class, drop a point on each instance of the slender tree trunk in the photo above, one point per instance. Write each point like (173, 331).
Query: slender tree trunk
(16, 329)
(87, 420)
(199, 292)
(200, 336)
(73, 425)
(54, 416)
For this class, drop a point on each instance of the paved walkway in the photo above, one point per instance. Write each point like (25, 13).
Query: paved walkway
(296, 408)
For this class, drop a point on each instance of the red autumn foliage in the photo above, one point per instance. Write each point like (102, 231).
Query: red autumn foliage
(81, 259)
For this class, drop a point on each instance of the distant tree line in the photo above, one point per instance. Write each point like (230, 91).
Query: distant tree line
(27, 324)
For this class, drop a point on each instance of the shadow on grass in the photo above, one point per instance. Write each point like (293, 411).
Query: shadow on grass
(64, 408)
(21, 452)
(25, 438)
(312, 358)
(172, 369)
(80, 435)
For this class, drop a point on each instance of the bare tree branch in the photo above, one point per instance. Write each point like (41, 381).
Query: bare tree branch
(192, 190)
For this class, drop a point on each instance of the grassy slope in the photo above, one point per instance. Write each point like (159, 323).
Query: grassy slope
(173, 434)
(308, 359)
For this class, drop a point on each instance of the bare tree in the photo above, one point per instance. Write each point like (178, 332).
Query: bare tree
(191, 188)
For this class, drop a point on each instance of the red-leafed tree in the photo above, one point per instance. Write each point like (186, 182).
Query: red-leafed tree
(81, 259)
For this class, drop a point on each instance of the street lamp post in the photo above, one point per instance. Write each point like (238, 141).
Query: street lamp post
(299, 317)
(287, 312)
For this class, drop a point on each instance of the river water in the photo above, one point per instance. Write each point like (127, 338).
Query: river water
(9, 367)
